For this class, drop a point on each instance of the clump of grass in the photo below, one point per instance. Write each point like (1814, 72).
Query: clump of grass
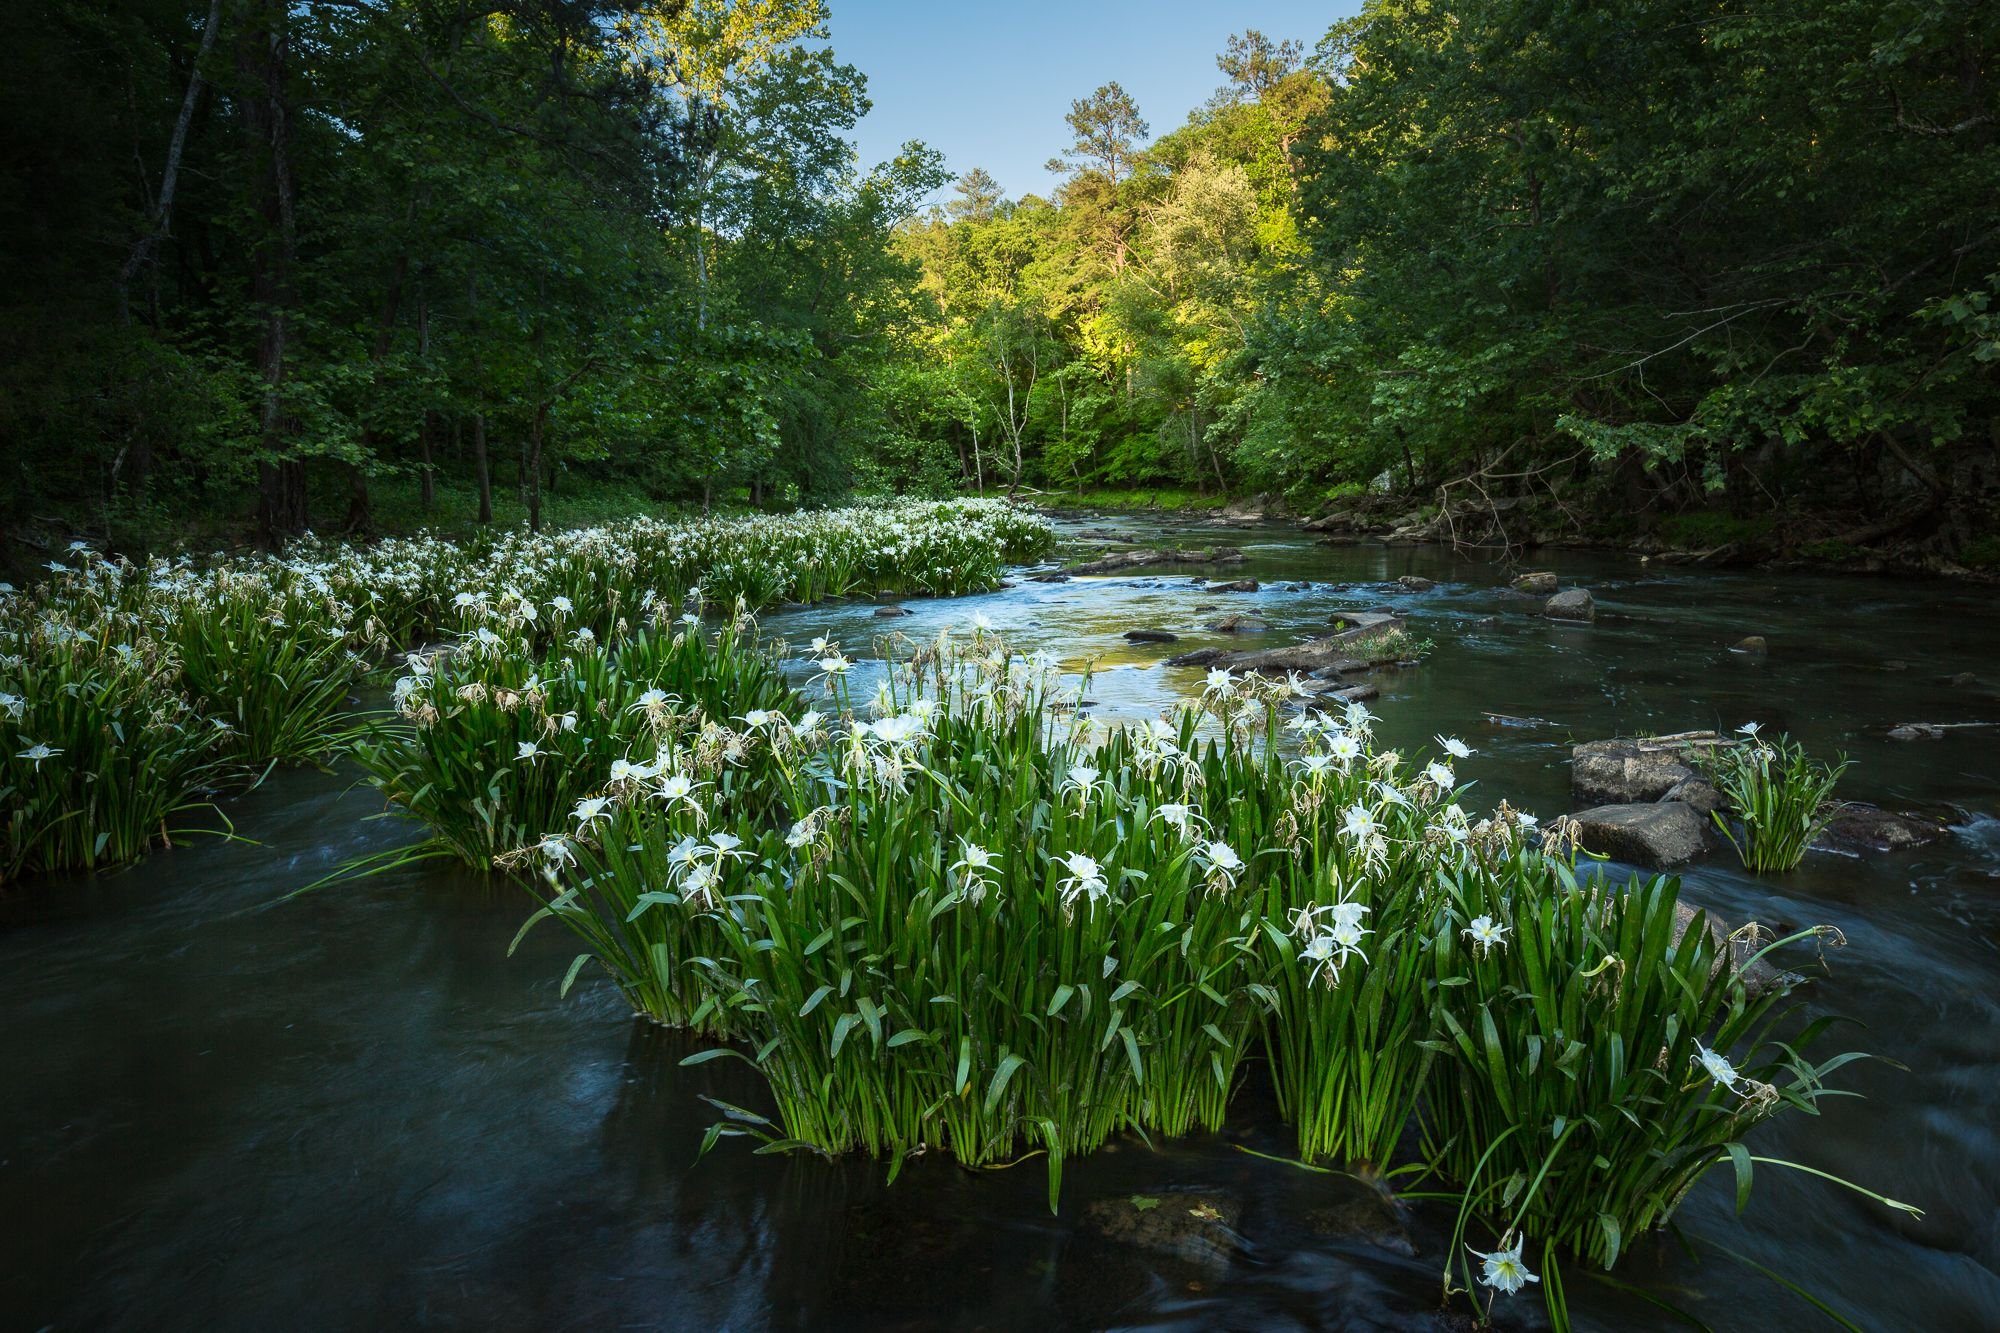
(1782, 796)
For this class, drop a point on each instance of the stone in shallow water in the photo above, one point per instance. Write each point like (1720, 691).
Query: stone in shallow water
(1752, 646)
(1575, 604)
(1417, 583)
(1868, 828)
(1195, 1226)
(891, 612)
(1645, 768)
(1656, 834)
(1241, 585)
(1540, 583)
(1239, 624)
(1151, 636)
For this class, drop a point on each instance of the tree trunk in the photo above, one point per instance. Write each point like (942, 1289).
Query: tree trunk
(482, 466)
(163, 207)
(281, 491)
(426, 474)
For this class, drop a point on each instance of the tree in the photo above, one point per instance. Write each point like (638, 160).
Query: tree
(979, 197)
(1109, 132)
(1255, 64)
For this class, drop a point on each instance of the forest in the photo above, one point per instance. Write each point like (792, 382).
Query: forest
(370, 265)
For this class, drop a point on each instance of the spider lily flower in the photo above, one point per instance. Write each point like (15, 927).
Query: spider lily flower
(1221, 862)
(1085, 880)
(1440, 775)
(13, 705)
(1503, 1270)
(677, 789)
(1357, 717)
(1717, 1066)
(1486, 934)
(589, 811)
(1750, 729)
(556, 851)
(38, 752)
(527, 752)
(1082, 780)
(800, 834)
(973, 858)
(1358, 822)
(1221, 682)
(1182, 819)
(721, 845)
(1344, 748)
(1454, 747)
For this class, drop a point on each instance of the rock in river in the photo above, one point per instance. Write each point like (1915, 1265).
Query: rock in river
(1867, 828)
(1617, 772)
(1241, 585)
(1574, 604)
(1305, 657)
(891, 612)
(1239, 624)
(1151, 636)
(1417, 583)
(1656, 834)
(1541, 583)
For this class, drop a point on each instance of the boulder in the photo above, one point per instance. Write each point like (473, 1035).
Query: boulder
(1758, 977)
(1049, 576)
(1239, 624)
(1698, 792)
(1866, 828)
(1658, 835)
(891, 612)
(1541, 583)
(1417, 583)
(1618, 772)
(1313, 655)
(1352, 694)
(1917, 731)
(1241, 585)
(1119, 561)
(1573, 604)
(1151, 636)
(1751, 646)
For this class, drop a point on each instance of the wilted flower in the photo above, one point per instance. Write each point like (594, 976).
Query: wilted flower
(1716, 1066)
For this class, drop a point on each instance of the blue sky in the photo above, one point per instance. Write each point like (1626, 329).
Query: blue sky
(988, 84)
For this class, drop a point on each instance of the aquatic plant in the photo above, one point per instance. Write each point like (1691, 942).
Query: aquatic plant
(1782, 796)
(496, 742)
(1598, 1060)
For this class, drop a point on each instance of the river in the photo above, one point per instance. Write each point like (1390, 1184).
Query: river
(353, 1110)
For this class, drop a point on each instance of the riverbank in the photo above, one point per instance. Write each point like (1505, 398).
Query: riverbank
(1505, 529)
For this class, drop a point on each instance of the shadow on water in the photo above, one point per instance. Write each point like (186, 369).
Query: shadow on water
(353, 1110)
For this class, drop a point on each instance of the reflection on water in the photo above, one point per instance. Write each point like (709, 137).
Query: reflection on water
(352, 1110)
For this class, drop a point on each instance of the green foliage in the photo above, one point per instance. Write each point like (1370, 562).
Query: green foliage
(1782, 796)
(1706, 529)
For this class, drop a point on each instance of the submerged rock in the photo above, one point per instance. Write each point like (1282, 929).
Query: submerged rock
(1240, 624)
(1151, 636)
(1352, 694)
(1751, 646)
(1868, 828)
(1195, 1226)
(1917, 731)
(1049, 576)
(1366, 1216)
(1417, 583)
(1241, 585)
(891, 612)
(1574, 604)
(1540, 583)
(1656, 834)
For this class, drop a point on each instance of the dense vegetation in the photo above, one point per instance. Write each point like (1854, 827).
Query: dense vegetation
(268, 263)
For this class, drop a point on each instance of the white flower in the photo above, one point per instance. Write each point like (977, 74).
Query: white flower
(1750, 729)
(1359, 823)
(726, 844)
(1357, 717)
(758, 717)
(1085, 880)
(1485, 933)
(1454, 747)
(13, 704)
(1082, 780)
(1344, 748)
(1503, 1270)
(589, 810)
(900, 729)
(676, 787)
(981, 622)
(562, 604)
(1440, 775)
(1220, 681)
(1716, 1066)
(1220, 860)
(833, 664)
(1182, 819)
(527, 751)
(800, 834)
(556, 851)
(38, 752)
(973, 857)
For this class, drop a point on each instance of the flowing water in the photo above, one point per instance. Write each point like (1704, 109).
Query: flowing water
(354, 1110)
